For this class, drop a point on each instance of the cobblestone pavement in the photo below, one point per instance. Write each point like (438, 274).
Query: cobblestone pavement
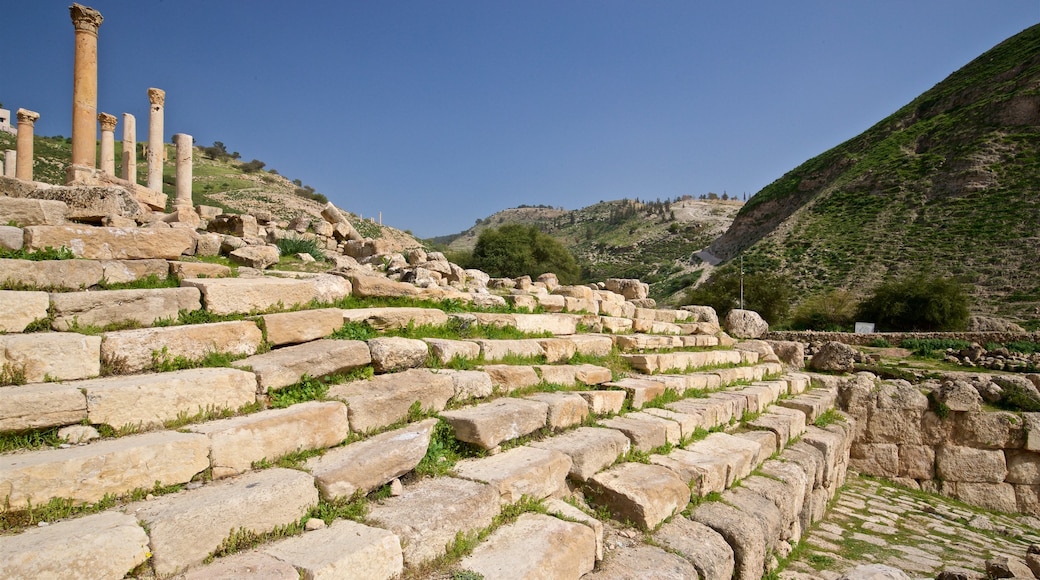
(873, 521)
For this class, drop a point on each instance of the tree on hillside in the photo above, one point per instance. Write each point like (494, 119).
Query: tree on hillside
(767, 294)
(917, 303)
(515, 250)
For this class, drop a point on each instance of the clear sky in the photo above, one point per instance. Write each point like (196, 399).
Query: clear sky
(440, 112)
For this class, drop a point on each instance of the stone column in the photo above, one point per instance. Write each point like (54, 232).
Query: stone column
(24, 144)
(108, 143)
(129, 148)
(84, 86)
(157, 97)
(10, 162)
(184, 151)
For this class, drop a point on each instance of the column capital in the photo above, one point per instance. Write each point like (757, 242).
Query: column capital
(108, 122)
(27, 116)
(157, 96)
(85, 19)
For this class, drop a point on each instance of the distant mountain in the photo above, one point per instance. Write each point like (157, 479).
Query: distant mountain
(654, 241)
(949, 184)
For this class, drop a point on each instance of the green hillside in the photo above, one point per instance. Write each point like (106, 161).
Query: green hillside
(949, 184)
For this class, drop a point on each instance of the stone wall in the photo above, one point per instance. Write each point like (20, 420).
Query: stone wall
(895, 337)
(986, 458)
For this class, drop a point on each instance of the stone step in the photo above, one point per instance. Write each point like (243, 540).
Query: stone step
(813, 403)
(390, 318)
(640, 390)
(105, 243)
(643, 494)
(591, 449)
(345, 549)
(586, 374)
(661, 363)
(487, 425)
(104, 307)
(785, 423)
(386, 399)
(285, 366)
(76, 274)
(699, 545)
(522, 471)
(535, 546)
(558, 324)
(134, 351)
(20, 308)
(184, 528)
(285, 328)
(247, 295)
(644, 431)
(39, 357)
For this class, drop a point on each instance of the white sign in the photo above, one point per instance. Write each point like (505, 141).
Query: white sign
(864, 328)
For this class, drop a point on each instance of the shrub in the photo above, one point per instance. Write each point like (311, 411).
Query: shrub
(767, 294)
(917, 304)
(832, 311)
(290, 246)
(515, 250)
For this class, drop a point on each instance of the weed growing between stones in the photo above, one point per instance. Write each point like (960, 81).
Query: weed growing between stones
(292, 460)
(243, 539)
(669, 395)
(162, 362)
(12, 374)
(149, 282)
(39, 325)
(30, 440)
(306, 389)
(47, 253)
(13, 520)
(443, 453)
(290, 246)
(94, 330)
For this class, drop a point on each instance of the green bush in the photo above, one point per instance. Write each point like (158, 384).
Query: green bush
(930, 347)
(291, 246)
(831, 311)
(515, 250)
(767, 294)
(917, 304)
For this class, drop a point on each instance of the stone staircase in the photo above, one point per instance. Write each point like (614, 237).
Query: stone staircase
(707, 453)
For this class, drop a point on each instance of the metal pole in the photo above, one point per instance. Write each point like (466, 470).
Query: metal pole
(741, 282)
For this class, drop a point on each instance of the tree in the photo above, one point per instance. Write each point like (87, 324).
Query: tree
(834, 310)
(767, 294)
(515, 250)
(917, 303)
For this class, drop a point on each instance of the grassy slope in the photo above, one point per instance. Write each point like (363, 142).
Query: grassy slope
(948, 185)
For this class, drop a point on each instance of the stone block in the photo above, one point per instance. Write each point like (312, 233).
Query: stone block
(970, 465)
(877, 459)
(565, 409)
(989, 430)
(184, 528)
(104, 307)
(535, 546)
(468, 384)
(917, 461)
(123, 271)
(136, 350)
(991, 496)
(644, 494)
(51, 355)
(346, 549)
(385, 399)
(702, 546)
(591, 449)
(489, 424)
(259, 257)
(41, 405)
(32, 212)
(568, 512)
(445, 350)
(703, 474)
(11, 238)
(243, 565)
(287, 365)
(494, 350)
(742, 531)
(604, 402)
(428, 515)
(98, 243)
(508, 378)
(640, 391)
(87, 473)
(637, 560)
(1023, 467)
(19, 309)
(237, 443)
(148, 401)
(301, 326)
(739, 454)
(766, 439)
(246, 295)
(534, 472)
(645, 433)
(48, 274)
(367, 286)
(182, 270)
(369, 464)
(395, 353)
(592, 344)
(557, 350)
(389, 318)
(107, 545)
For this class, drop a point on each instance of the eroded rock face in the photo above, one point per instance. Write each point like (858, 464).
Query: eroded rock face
(745, 324)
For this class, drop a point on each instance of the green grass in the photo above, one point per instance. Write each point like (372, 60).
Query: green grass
(47, 253)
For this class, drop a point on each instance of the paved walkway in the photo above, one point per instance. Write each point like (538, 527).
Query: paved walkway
(874, 521)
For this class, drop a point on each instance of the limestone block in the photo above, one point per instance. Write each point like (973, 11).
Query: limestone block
(1032, 428)
(970, 465)
(645, 433)
(104, 307)
(638, 560)
(534, 472)
(551, 302)
(344, 549)
(1005, 566)
(69, 274)
(688, 423)
(592, 344)
(147, 401)
(745, 324)
(182, 270)
(51, 355)
(992, 496)
(85, 474)
(791, 497)
(394, 353)
(557, 324)
(245, 295)
(107, 545)
(615, 325)
(243, 565)
(630, 288)
(369, 464)
(19, 309)
(875, 572)
(301, 326)
(703, 474)
(259, 257)
(489, 424)
(590, 449)
(468, 384)
(565, 409)
(742, 531)
(958, 396)
(643, 494)
(786, 423)
(989, 430)
(917, 461)
(895, 426)
(385, 399)
(558, 350)
(184, 528)
(207, 245)
(367, 286)
(713, 412)
(604, 402)
(32, 212)
(329, 288)
(123, 271)
(445, 350)
(285, 366)
(133, 349)
(428, 515)
(99, 243)
(702, 546)
(1023, 467)
(791, 353)
(565, 375)
(641, 391)
(739, 454)
(1028, 499)
(41, 405)
(493, 350)
(508, 378)
(877, 459)
(11, 238)
(535, 546)
(392, 318)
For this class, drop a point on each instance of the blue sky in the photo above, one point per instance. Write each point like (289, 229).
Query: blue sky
(438, 113)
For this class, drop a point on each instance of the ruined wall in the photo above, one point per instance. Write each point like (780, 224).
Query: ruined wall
(894, 337)
(986, 458)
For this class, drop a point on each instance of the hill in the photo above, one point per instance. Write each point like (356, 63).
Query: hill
(946, 185)
(651, 240)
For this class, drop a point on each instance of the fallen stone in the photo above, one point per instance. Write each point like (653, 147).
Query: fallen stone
(346, 549)
(50, 356)
(521, 471)
(369, 464)
(301, 326)
(107, 545)
(386, 399)
(19, 309)
(246, 295)
(644, 494)
(186, 527)
(535, 546)
(833, 357)
(745, 324)
(139, 349)
(489, 424)
(365, 286)
(259, 257)
(97, 243)
(104, 307)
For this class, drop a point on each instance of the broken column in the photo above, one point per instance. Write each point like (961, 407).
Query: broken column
(129, 148)
(184, 150)
(157, 98)
(24, 144)
(84, 91)
(10, 162)
(108, 143)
